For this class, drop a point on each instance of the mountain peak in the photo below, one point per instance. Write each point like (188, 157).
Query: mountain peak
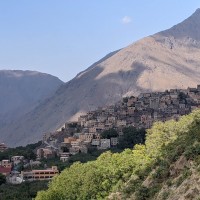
(196, 15)
(197, 10)
(189, 28)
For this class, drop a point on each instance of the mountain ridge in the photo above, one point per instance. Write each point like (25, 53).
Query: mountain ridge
(188, 28)
(155, 63)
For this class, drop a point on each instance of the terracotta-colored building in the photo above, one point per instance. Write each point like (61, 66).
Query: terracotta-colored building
(5, 170)
(6, 163)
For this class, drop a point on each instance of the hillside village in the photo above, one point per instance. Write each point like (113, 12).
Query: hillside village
(87, 134)
(139, 112)
(125, 127)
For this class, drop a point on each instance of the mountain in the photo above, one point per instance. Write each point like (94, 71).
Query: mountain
(165, 60)
(21, 92)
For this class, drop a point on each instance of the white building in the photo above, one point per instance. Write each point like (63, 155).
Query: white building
(104, 144)
(95, 142)
(64, 156)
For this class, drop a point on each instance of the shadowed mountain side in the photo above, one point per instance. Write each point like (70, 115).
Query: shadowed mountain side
(97, 63)
(83, 93)
(21, 91)
(189, 28)
(20, 88)
(155, 63)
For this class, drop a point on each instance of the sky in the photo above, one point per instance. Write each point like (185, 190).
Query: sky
(64, 37)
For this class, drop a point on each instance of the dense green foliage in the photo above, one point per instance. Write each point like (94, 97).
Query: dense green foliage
(131, 136)
(95, 179)
(81, 157)
(109, 133)
(166, 143)
(26, 151)
(24, 191)
(125, 172)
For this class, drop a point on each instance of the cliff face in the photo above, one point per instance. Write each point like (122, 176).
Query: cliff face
(169, 59)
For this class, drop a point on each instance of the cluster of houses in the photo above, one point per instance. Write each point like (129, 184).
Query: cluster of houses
(142, 111)
(9, 168)
(139, 112)
(79, 142)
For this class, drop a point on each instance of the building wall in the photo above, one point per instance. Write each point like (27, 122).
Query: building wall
(40, 174)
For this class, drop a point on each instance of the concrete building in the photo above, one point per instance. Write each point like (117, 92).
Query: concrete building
(5, 170)
(95, 142)
(17, 159)
(46, 174)
(3, 147)
(114, 141)
(69, 140)
(6, 164)
(64, 156)
(45, 153)
(104, 144)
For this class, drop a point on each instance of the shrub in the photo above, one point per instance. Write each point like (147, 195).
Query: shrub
(186, 173)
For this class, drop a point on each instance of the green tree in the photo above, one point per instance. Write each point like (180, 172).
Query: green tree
(2, 179)
(131, 136)
(109, 133)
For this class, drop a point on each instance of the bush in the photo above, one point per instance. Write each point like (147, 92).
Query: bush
(131, 136)
(2, 179)
(162, 171)
(107, 134)
(186, 173)
(142, 193)
(165, 195)
(192, 151)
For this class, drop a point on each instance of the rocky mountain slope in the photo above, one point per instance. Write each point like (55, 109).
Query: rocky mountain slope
(169, 59)
(21, 92)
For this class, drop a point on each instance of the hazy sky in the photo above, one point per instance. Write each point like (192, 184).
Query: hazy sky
(64, 37)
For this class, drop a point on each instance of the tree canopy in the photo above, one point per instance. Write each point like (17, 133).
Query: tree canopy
(109, 133)
(131, 136)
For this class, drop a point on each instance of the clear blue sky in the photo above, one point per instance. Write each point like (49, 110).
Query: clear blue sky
(64, 37)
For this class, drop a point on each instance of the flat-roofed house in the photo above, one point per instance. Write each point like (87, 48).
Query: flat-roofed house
(6, 163)
(46, 174)
(3, 147)
(104, 144)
